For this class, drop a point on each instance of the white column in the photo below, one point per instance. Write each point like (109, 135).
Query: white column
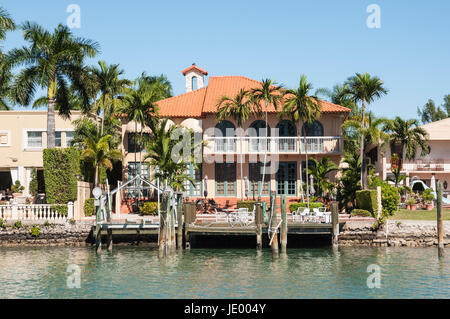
(14, 174)
(28, 180)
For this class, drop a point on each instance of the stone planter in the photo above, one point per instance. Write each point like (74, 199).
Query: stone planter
(17, 195)
(429, 206)
(408, 207)
(414, 207)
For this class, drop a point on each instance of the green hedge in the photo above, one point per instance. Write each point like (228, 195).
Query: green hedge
(33, 183)
(389, 197)
(361, 212)
(60, 169)
(367, 200)
(149, 208)
(250, 204)
(294, 206)
(89, 209)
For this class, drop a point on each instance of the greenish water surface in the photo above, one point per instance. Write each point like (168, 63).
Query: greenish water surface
(137, 272)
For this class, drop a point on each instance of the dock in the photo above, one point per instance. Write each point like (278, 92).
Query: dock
(181, 227)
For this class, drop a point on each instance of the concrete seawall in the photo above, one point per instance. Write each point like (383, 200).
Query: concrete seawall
(403, 233)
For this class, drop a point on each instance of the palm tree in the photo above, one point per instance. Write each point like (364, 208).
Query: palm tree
(99, 153)
(302, 108)
(373, 131)
(269, 93)
(365, 89)
(160, 149)
(340, 95)
(239, 108)
(6, 24)
(106, 78)
(409, 136)
(52, 60)
(350, 181)
(319, 170)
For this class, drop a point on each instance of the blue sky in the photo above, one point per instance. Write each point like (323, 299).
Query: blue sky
(327, 40)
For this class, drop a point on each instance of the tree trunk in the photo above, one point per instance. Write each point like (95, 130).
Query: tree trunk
(307, 164)
(103, 117)
(97, 176)
(363, 155)
(241, 164)
(301, 168)
(265, 154)
(51, 143)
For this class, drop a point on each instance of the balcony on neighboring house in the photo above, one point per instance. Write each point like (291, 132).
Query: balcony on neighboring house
(274, 145)
(438, 165)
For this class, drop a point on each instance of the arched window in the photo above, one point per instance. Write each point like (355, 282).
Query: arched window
(225, 132)
(257, 132)
(314, 142)
(287, 131)
(194, 83)
(313, 129)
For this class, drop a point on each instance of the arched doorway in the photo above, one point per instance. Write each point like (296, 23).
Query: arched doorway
(314, 133)
(257, 133)
(225, 132)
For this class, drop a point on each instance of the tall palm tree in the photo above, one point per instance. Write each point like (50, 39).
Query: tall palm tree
(99, 153)
(52, 60)
(239, 108)
(373, 132)
(301, 109)
(409, 136)
(108, 83)
(6, 24)
(160, 150)
(365, 88)
(319, 170)
(350, 181)
(270, 93)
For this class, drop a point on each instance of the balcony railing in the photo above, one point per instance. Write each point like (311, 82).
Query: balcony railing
(274, 145)
(437, 165)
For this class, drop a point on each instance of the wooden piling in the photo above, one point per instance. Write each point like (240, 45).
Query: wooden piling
(98, 228)
(259, 221)
(273, 225)
(110, 240)
(284, 225)
(440, 223)
(335, 224)
(189, 217)
(180, 210)
(162, 237)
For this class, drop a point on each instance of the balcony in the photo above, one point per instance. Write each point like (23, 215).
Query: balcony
(438, 165)
(274, 145)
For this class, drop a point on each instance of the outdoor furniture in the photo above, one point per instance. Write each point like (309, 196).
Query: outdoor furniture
(302, 213)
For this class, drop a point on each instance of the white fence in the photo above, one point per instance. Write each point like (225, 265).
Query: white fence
(35, 212)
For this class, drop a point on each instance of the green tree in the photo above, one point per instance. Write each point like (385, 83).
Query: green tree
(99, 153)
(171, 171)
(350, 181)
(106, 79)
(52, 60)
(365, 88)
(301, 108)
(268, 93)
(6, 24)
(239, 108)
(409, 136)
(429, 112)
(320, 169)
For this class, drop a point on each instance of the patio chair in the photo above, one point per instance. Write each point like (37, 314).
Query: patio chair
(220, 214)
(318, 214)
(302, 213)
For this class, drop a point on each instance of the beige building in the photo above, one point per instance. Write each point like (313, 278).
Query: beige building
(436, 163)
(23, 136)
(225, 144)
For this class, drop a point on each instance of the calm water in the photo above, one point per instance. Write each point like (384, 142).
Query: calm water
(131, 272)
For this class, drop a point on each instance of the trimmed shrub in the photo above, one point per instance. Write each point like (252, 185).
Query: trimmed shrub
(34, 182)
(361, 212)
(89, 208)
(61, 209)
(60, 169)
(149, 208)
(367, 200)
(250, 204)
(389, 197)
(294, 206)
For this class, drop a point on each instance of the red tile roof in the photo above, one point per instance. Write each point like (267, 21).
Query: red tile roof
(194, 67)
(204, 101)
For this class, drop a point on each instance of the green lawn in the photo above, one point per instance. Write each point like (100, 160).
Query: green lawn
(404, 214)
